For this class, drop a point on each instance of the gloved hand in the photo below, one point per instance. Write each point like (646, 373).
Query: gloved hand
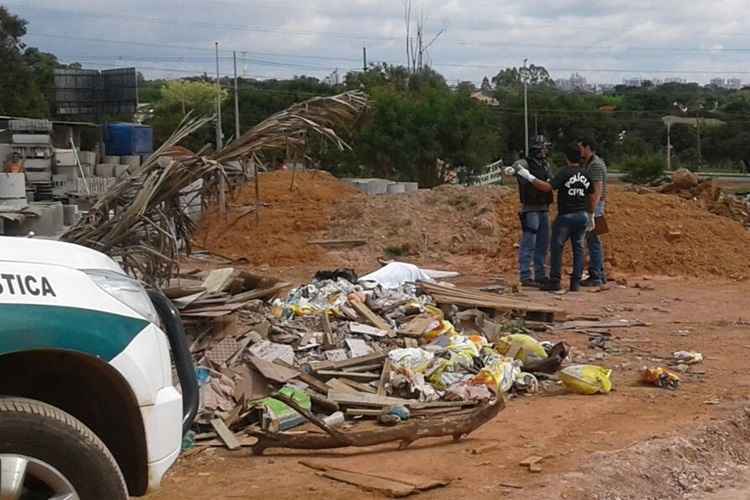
(509, 171)
(522, 172)
(590, 222)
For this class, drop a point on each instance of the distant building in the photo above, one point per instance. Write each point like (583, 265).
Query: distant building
(718, 82)
(734, 83)
(675, 80)
(632, 82)
(575, 82)
(484, 98)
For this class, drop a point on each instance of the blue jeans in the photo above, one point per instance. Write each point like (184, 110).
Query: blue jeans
(534, 245)
(568, 227)
(596, 251)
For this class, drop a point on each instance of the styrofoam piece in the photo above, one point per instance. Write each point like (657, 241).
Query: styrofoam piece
(105, 170)
(13, 190)
(65, 157)
(411, 187)
(31, 139)
(396, 188)
(121, 170)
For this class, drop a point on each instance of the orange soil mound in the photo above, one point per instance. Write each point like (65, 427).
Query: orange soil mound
(650, 233)
(293, 218)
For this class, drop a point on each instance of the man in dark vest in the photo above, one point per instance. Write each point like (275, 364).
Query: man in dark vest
(534, 215)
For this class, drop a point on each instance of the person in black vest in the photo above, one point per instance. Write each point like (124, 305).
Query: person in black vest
(534, 215)
(575, 207)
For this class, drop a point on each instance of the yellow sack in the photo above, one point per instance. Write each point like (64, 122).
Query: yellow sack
(445, 328)
(586, 379)
(524, 347)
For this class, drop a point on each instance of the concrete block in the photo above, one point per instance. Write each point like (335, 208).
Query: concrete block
(37, 165)
(411, 187)
(87, 157)
(121, 170)
(13, 190)
(65, 157)
(68, 172)
(396, 188)
(71, 215)
(131, 161)
(49, 223)
(105, 169)
(376, 186)
(114, 160)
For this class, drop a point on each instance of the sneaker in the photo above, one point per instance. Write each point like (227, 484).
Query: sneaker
(591, 282)
(541, 282)
(552, 286)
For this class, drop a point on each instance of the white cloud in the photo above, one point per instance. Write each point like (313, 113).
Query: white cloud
(640, 37)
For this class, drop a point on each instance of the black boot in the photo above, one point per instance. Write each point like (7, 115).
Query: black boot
(575, 285)
(552, 286)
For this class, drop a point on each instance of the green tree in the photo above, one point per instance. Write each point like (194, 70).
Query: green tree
(20, 92)
(196, 97)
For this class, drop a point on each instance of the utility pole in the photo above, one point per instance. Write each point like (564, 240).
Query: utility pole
(524, 76)
(219, 139)
(669, 144)
(364, 58)
(236, 101)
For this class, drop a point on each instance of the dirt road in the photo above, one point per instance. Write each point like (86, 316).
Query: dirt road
(684, 314)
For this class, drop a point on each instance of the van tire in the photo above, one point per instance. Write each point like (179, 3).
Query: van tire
(42, 432)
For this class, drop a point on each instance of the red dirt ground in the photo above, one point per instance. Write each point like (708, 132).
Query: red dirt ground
(685, 314)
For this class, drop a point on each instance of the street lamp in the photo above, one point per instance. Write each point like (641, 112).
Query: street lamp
(525, 78)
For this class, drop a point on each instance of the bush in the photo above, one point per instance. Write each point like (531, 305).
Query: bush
(642, 169)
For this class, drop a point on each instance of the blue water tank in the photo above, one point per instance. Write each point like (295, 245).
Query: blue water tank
(126, 139)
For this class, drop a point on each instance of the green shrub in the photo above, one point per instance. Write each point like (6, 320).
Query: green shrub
(642, 169)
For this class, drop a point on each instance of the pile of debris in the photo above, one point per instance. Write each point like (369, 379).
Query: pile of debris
(690, 186)
(421, 358)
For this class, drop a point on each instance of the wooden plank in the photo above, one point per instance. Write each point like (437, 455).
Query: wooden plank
(369, 483)
(305, 377)
(385, 376)
(346, 363)
(418, 326)
(227, 436)
(364, 368)
(367, 330)
(467, 297)
(360, 412)
(338, 386)
(327, 331)
(273, 371)
(366, 376)
(370, 316)
(364, 400)
(339, 243)
(577, 325)
(258, 294)
(359, 387)
(358, 347)
(419, 482)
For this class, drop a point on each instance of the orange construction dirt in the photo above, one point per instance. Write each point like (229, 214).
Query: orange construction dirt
(473, 227)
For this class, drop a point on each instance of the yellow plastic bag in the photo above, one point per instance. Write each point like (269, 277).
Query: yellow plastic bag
(445, 328)
(586, 379)
(526, 348)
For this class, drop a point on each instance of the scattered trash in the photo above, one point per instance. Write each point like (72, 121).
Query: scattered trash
(660, 377)
(688, 357)
(586, 379)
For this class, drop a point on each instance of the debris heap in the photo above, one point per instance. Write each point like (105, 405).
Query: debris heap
(393, 347)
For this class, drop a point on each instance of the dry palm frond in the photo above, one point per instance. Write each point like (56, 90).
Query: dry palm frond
(288, 129)
(141, 222)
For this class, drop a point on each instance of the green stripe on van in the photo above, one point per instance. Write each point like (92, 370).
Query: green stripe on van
(25, 327)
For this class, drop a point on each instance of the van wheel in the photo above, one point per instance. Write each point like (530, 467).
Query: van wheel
(47, 453)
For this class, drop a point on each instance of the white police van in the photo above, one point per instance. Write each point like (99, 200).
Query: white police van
(88, 407)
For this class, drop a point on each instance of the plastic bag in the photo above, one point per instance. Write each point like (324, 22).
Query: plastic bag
(395, 274)
(413, 360)
(445, 328)
(523, 347)
(498, 374)
(586, 379)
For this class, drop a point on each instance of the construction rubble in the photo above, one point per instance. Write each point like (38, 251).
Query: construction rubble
(393, 347)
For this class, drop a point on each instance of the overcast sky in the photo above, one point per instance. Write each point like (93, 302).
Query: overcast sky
(604, 40)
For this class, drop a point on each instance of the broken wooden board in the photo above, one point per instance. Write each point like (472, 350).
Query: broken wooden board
(218, 280)
(419, 482)
(369, 483)
(339, 386)
(370, 316)
(325, 324)
(418, 326)
(258, 294)
(366, 376)
(363, 400)
(476, 298)
(339, 243)
(346, 363)
(578, 325)
(227, 436)
(367, 330)
(271, 351)
(358, 386)
(273, 371)
(385, 377)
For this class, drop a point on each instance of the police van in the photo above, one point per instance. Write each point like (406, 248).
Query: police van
(89, 409)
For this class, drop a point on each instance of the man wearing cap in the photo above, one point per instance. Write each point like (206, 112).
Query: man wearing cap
(534, 215)
(597, 170)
